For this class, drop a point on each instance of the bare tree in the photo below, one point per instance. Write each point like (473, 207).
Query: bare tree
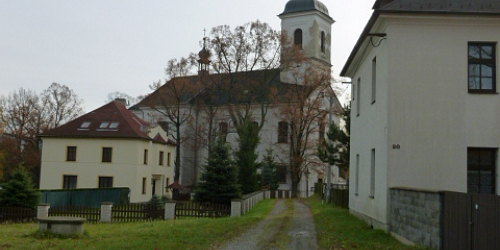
(170, 102)
(304, 108)
(247, 62)
(61, 103)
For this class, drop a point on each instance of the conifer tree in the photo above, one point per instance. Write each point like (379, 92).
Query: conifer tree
(219, 183)
(19, 191)
(269, 171)
(335, 150)
(246, 157)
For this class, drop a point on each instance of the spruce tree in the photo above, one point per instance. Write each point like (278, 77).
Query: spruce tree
(218, 184)
(269, 171)
(246, 157)
(19, 191)
(335, 150)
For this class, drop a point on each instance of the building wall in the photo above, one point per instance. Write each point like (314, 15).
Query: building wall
(369, 131)
(127, 167)
(424, 119)
(268, 139)
(432, 115)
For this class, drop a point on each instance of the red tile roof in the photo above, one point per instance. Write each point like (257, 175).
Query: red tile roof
(129, 125)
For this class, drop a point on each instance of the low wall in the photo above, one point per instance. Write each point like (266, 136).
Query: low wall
(417, 216)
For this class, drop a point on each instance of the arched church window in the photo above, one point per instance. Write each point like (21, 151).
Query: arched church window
(297, 38)
(323, 41)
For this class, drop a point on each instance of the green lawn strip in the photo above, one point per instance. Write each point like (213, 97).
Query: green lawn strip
(278, 227)
(171, 234)
(336, 228)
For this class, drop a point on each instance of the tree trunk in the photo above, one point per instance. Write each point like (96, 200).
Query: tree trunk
(177, 155)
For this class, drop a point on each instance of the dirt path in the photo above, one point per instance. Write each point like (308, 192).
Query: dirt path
(286, 227)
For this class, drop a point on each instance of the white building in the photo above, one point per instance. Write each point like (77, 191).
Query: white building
(108, 147)
(425, 103)
(309, 23)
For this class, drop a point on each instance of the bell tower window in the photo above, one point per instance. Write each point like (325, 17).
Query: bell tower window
(323, 41)
(297, 38)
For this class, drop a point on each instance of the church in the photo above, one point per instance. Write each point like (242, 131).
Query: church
(205, 110)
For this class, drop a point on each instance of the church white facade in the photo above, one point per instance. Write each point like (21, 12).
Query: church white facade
(308, 24)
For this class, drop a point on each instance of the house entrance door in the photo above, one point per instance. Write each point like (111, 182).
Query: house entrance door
(471, 221)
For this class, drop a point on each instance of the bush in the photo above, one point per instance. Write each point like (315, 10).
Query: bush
(19, 191)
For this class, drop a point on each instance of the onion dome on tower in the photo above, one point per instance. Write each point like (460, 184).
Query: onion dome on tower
(203, 61)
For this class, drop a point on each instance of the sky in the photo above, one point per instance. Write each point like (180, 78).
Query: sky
(96, 47)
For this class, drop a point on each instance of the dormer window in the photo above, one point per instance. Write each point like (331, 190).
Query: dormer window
(85, 125)
(113, 125)
(104, 125)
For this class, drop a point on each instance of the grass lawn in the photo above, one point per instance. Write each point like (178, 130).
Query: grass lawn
(171, 234)
(336, 229)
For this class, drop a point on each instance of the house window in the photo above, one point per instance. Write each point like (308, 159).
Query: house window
(255, 125)
(105, 182)
(482, 68)
(481, 164)
(160, 160)
(107, 154)
(372, 175)
(71, 153)
(145, 157)
(297, 38)
(356, 188)
(69, 181)
(358, 95)
(223, 130)
(281, 173)
(85, 124)
(144, 181)
(282, 132)
(168, 183)
(168, 159)
(374, 79)
(323, 41)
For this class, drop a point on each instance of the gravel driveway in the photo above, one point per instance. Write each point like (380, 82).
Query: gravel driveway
(300, 229)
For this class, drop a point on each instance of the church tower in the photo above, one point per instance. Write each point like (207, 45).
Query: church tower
(308, 25)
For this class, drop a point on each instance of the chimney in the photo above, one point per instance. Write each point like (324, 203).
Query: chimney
(123, 101)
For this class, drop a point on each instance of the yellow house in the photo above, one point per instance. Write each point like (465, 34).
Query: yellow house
(108, 147)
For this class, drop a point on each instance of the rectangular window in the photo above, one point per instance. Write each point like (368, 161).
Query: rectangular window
(105, 182)
(161, 157)
(71, 153)
(356, 188)
(144, 181)
(281, 173)
(372, 175)
(358, 95)
(107, 154)
(168, 159)
(481, 174)
(482, 67)
(374, 79)
(69, 181)
(282, 132)
(145, 157)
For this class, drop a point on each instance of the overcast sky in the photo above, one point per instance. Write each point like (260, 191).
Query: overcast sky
(96, 47)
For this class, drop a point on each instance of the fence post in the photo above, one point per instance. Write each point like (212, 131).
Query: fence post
(106, 211)
(236, 208)
(42, 210)
(170, 210)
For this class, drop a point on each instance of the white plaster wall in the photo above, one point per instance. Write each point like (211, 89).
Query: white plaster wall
(127, 167)
(432, 115)
(368, 131)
